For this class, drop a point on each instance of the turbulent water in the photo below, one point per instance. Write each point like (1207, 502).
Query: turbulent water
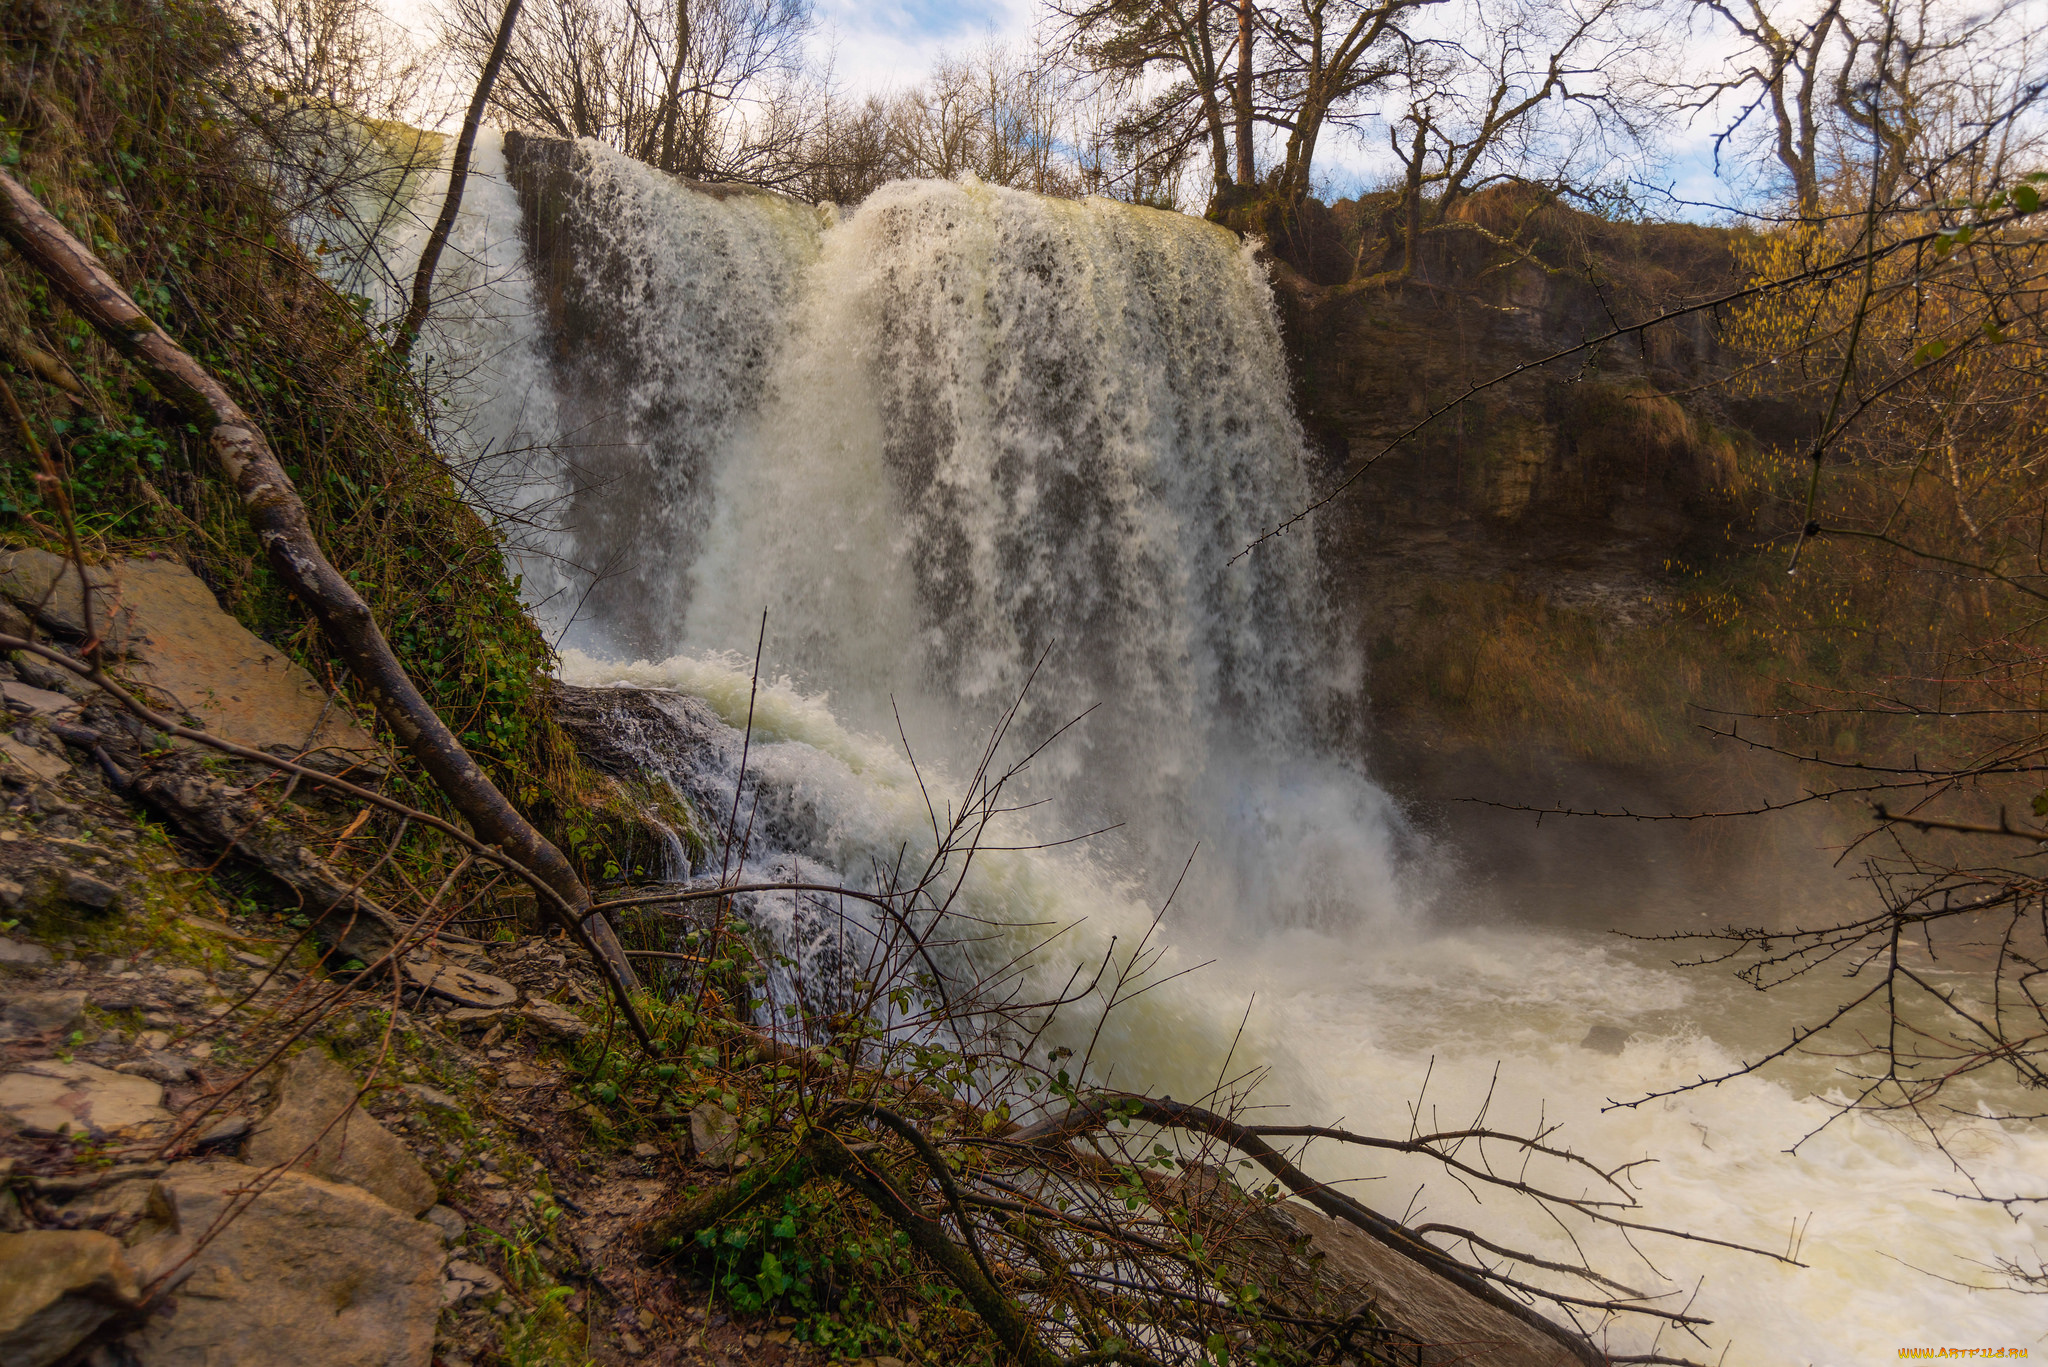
(964, 446)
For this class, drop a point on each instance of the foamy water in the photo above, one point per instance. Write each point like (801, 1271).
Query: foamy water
(1352, 1027)
(966, 437)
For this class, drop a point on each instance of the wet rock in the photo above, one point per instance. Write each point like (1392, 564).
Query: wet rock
(27, 1015)
(56, 1287)
(313, 1090)
(18, 951)
(51, 1097)
(322, 1273)
(11, 894)
(714, 1134)
(1606, 1039)
(88, 891)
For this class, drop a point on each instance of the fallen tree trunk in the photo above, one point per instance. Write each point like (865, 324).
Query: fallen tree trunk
(345, 920)
(1101, 1109)
(279, 519)
(821, 1153)
(832, 1155)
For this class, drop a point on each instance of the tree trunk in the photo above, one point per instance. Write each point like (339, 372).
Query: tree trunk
(458, 174)
(1247, 166)
(1411, 204)
(279, 520)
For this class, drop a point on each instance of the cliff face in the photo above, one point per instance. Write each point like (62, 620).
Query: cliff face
(1612, 444)
(1516, 573)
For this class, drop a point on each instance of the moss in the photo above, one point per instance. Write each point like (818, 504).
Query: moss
(121, 130)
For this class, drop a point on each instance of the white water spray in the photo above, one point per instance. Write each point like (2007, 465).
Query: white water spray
(967, 430)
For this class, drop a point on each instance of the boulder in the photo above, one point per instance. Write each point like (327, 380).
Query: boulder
(56, 1287)
(1307, 1263)
(29, 1015)
(322, 1274)
(314, 1092)
(50, 1097)
(714, 1134)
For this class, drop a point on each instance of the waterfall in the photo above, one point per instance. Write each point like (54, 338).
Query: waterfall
(963, 438)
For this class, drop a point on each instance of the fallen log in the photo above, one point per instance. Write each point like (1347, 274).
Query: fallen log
(1100, 1109)
(345, 920)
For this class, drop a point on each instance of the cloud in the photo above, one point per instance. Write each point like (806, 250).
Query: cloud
(877, 47)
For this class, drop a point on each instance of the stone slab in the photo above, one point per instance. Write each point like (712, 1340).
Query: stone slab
(167, 633)
(308, 1128)
(50, 1097)
(296, 1269)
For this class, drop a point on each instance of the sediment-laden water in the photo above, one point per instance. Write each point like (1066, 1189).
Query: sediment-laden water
(964, 440)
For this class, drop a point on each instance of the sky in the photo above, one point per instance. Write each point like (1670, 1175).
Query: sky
(876, 46)
(879, 45)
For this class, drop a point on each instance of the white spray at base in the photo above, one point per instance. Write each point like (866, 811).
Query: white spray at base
(1001, 434)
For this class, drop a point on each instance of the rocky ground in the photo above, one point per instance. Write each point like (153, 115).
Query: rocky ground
(214, 1150)
(198, 1155)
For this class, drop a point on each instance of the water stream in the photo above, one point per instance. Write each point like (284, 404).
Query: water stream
(965, 439)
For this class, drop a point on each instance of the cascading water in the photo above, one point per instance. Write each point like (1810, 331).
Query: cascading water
(968, 437)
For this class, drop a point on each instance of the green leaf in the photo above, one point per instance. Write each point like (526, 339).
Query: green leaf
(2026, 199)
(1930, 351)
(2041, 803)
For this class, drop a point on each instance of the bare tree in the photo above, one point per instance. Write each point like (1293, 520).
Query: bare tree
(1327, 55)
(1131, 46)
(701, 88)
(1516, 93)
(337, 54)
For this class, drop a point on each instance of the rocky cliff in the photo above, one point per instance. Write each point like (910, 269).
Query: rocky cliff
(1518, 575)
